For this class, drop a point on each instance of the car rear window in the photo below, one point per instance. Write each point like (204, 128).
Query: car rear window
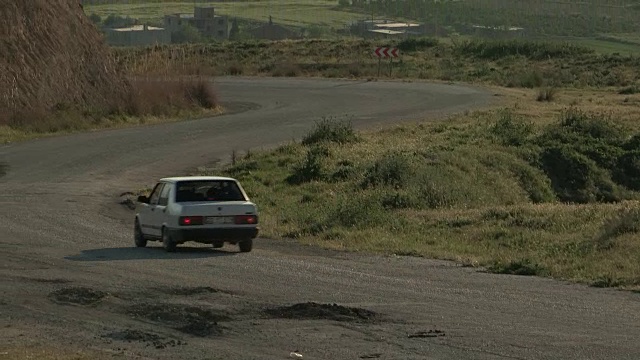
(208, 190)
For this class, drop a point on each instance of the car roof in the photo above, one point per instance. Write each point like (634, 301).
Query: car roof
(196, 178)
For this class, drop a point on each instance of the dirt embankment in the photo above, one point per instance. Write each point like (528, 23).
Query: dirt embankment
(52, 57)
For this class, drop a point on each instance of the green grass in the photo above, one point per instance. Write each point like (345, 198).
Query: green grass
(607, 47)
(284, 12)
(475, 189)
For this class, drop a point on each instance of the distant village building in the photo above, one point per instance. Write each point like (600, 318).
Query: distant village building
(389, 28)
(137, 35)
(271, 31)
(204, 19)
(496, 32)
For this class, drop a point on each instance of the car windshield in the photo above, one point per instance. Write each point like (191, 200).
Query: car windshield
(208, 190)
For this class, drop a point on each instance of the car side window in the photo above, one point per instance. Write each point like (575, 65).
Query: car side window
(155, 195)
(164, 195)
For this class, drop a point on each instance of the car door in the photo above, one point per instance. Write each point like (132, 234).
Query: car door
(159, 212)
(145, 212)
(152, 221)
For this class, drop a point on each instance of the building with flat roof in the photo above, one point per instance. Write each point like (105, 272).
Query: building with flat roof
(204, 19)
(137, 35)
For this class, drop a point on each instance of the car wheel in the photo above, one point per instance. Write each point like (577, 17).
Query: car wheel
(167, 241)
(138, 236)
(246, 245)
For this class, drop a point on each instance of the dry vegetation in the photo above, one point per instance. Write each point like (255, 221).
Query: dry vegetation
(514, 63)
(59, 76)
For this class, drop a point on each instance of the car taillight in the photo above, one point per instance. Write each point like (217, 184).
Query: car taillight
(246, 219)
(191, 220)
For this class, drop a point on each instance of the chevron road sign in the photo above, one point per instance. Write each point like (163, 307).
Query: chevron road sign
(385, 52)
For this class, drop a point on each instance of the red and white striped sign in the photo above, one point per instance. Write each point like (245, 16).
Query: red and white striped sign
(385, 52)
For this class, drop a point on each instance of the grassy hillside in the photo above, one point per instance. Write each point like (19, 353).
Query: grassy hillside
(521, 190)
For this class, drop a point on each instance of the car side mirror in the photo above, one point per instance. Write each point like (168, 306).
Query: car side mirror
(143, 199)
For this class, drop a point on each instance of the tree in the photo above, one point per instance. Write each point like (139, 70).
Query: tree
(234, 31)
(187, 34)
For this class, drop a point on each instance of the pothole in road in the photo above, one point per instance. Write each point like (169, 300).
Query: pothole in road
(188, 291)
(427, 334)
(191, 320)
(315, 311)
(77, 295)
(155, 340)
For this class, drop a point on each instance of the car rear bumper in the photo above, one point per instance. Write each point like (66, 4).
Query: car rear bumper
(209, 236)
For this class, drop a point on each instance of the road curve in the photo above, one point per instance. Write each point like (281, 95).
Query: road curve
(62, 230)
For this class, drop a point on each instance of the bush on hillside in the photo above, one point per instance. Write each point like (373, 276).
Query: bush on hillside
(312, 167)
(576, 178)
(594, 136)
(494, 50)
(511, 130)
(417, 44)
(392, 169)
(330, 130)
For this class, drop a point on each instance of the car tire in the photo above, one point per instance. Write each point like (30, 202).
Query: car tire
(218, 244)
(138, 236)
(167, 242)
(246, 245)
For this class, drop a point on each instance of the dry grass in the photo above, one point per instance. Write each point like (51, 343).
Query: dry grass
(512, 64)
(150, 101)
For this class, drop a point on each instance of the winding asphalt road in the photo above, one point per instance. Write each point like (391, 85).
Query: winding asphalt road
(61, 228)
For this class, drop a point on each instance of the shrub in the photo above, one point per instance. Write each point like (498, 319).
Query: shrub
(627, 171)
(360, 211)
(311, 168)
(415, 44)
(165, 98)
(235, 69)
(330, 130)
(546, 94)
(392, 169)
(534, 183)
(594, 136)
(629, 90)
(201, 93)
(343, 172)
(510, 130)
(518, 267)
(286, 70)
(532, 50)
(576, 178)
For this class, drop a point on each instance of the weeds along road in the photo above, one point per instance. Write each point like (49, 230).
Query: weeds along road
(71, 278)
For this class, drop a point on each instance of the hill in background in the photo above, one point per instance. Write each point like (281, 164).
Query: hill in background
(54, 57)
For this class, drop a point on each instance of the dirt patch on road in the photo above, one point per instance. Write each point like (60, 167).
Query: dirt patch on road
(191, 320)
(155, 340)
(315, 311)
(77, 296)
